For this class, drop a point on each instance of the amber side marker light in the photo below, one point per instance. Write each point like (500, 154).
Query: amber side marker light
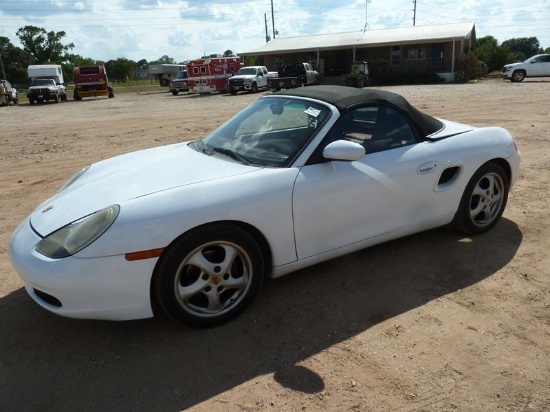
(144, 254)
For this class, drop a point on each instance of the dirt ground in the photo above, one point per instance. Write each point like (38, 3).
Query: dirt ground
(432, 322)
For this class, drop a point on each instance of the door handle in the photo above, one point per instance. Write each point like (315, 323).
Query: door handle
(427, 167)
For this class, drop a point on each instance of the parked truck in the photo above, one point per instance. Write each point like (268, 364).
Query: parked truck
(8, 93)
(165, 72)
(294, 75)
(180, 83)
(91, 81)
(250, 78)
(46, 83)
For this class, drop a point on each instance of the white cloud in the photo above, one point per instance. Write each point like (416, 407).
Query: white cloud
(137, 29)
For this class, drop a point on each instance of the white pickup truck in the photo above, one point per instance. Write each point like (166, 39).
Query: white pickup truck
(249, 78)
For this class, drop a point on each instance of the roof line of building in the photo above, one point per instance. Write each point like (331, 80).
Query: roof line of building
(368, 38)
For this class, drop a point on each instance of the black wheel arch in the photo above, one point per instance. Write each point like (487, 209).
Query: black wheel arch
(505, 166)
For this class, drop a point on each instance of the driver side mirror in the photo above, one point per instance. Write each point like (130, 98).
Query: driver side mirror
(343, 150)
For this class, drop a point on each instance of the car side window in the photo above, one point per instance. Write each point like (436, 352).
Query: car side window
(376, 128)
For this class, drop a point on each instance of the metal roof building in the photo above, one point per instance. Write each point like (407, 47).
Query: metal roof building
(404, 49)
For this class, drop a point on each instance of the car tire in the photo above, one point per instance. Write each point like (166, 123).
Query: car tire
(209, 275)
(56, 99)
(518, 76)
(483, 200)
(254, 88)
(175, 92)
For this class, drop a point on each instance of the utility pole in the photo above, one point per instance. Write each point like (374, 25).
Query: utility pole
(266, 35)
(366, 15)
(2, 67)
(414, 13)
(273, 19)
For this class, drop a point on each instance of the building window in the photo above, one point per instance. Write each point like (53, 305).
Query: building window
(416, 54)
(395, 55)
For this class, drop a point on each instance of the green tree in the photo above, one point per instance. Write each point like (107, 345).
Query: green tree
(142, 64)
(44, 47)
(523, 47)
(15, 61)
(228, 53)
(121, 69)
(164, 60)
(487, 50)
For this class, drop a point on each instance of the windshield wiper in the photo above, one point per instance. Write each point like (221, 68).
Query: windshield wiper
(232, 154)
(199, 144)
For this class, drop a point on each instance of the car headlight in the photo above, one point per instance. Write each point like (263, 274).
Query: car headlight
(76, 236)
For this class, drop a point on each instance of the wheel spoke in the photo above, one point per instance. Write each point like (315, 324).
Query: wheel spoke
(230, 256)
(214, 301)
(476, 211)
(199, 260)
(187, 292)
(236, 282)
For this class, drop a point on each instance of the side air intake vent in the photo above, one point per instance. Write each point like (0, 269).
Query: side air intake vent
(448, 178)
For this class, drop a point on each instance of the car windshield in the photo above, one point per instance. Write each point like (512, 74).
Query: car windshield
(247, 70)
(182, 75)
(270, 132)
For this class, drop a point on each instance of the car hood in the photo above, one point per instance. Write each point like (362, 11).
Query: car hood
(45, 86)
(243, 76)
(129, 176)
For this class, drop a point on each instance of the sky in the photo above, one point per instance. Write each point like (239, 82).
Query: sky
(149, 29)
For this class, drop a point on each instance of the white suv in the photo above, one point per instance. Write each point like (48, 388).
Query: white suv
(536, 66)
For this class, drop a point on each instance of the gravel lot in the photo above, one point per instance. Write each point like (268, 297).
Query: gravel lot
(432, 322)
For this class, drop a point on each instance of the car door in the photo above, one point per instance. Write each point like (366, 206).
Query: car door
(543, 66)
(339, 203)
(262, 79)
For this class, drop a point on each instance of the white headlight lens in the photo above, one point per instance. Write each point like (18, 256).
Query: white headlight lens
(76, 236)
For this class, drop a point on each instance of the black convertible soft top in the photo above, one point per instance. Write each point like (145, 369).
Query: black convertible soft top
(343, 97)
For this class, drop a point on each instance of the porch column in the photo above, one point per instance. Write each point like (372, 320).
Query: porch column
(453, 60)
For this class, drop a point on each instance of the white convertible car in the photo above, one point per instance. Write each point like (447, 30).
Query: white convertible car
(296, 178)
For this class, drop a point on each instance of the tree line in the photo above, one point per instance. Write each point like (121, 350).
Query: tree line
(43, 47)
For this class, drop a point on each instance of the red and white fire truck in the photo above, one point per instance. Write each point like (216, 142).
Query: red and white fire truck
(210, 74)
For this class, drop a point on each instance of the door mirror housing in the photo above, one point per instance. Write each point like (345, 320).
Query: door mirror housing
(343, 150)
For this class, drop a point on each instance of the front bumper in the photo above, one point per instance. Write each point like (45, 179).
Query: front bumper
(507, 73)
(42, 95)
(107, 287)
(179, 87)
